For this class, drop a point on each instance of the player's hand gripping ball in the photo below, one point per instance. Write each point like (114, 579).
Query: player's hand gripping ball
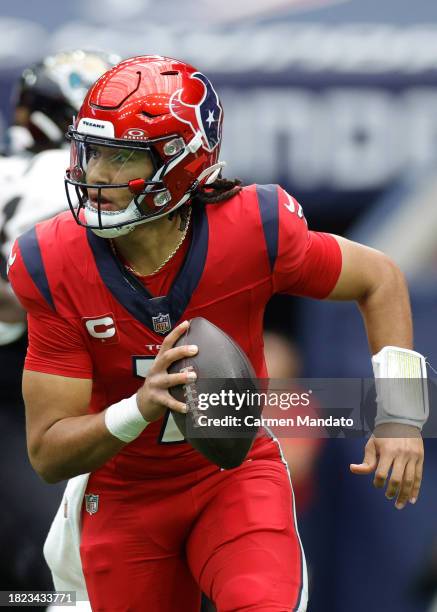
(220, 402)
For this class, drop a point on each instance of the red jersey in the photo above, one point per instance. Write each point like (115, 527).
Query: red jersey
(89, 317)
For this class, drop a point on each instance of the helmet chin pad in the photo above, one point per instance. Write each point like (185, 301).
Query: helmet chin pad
(114, 231)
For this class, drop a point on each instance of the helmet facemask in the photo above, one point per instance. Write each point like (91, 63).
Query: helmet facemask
(101, 167)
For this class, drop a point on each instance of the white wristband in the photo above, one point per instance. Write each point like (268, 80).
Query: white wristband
(124, 419)
(401, 385)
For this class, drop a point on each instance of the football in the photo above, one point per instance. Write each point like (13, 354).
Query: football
(220, 399)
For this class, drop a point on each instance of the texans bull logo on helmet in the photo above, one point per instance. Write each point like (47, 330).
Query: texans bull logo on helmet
(204, 116)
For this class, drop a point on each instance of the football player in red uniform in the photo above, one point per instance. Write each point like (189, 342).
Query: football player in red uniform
(158, 237)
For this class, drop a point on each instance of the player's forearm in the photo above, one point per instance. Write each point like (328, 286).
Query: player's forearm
(72, 446)
(385, 308)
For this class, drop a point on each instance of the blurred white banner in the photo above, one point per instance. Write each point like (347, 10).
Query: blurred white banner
(246, 9)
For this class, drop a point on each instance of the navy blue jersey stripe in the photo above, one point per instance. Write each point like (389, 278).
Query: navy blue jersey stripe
(268, 206)
(32, 258)
(133, 296)
(191, 272)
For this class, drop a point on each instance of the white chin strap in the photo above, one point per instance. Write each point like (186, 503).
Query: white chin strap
(131, 212)
(211, 173)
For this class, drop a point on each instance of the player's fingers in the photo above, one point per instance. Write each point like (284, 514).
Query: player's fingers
(417, 482)
(174, 335)
(396, 477)
(170, 402)
(369, 463)
(382, 470)
(172, 380)
(406, 484)
(175, 354)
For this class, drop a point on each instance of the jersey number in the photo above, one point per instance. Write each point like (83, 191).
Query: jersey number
(170, 432)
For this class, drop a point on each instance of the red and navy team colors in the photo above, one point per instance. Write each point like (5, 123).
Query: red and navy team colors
(168, 521)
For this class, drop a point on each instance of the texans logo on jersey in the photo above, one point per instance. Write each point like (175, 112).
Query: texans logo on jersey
(205, 116)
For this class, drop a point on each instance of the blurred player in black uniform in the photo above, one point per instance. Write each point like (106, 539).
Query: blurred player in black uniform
(47, 96)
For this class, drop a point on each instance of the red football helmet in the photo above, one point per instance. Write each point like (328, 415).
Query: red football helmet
(157, 122)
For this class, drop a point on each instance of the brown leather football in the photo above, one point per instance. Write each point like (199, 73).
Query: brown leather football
(220, 412)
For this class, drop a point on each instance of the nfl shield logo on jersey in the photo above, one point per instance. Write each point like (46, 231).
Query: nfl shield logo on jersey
(91, 503)
(161, 323)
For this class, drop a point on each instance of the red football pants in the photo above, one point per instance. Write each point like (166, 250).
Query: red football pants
(153, 544)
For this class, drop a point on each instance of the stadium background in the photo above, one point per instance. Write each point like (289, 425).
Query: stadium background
(337, 101)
